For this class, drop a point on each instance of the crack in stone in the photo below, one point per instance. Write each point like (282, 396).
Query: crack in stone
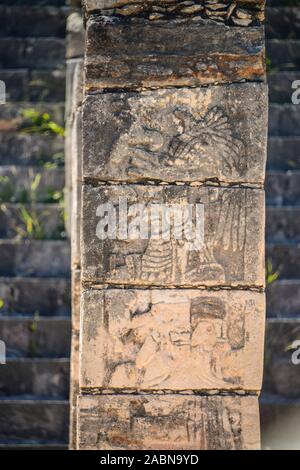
(208, 183)
(106, 286)
(187, 392)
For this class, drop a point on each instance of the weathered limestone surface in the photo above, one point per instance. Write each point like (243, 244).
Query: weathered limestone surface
(168, 422)
(172, 339)
(199, 134)
(138, 53)
(241, 13)
(232, 253)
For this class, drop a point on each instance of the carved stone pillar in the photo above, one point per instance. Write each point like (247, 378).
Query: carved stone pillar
(171, 330)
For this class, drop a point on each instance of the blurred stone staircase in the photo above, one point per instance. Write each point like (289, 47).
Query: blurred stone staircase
(280, 401)
(34, 253)
(34, 266)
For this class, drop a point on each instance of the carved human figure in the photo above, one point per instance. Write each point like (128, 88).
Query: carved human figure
(170, 341)
(189, 142)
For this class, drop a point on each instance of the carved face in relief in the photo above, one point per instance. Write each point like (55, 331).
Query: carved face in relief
(162, 340)
(204, 336)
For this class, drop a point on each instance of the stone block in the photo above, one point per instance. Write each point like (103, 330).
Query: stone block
(283, 153)
(48, 378)
(284, 120)
(281, 375)
(283, 23)
(49, 220)
(43, 52)
(283, 188)
(231, 221)
(12, 114)
(32, 21)
(16, 82)
(39, 258)
(283, 298)
(46, 85)
(50, 423)
(136, 53)
(279, 423)
(37, 296)
(172, 339)
(44, 337)
(283, 224)
(216, 133)
(16, 183)
(280, 86)
(225, 11)
(283, 54)
(285, 259)
(25, 149)
(170, 422)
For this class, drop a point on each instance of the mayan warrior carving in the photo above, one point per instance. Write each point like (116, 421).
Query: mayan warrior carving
(230, 254)
(153, 339)
(191, 147)
(172, 225)
(182, 135)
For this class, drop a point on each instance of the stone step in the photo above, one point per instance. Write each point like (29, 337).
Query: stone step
(49, 297)
(37, 53)
(280, 86)
(17, 21)
(34, 85)
(47, 378)
(35, 336)
(283, 54)
(12, 114)
(283, 23)
(284, 120)
(283, 224)
(283, 153)
(31, 184)
(31, 149)
(283, 188)
(285, 259)
(35, 258)
(45, 421)
(31, 221)
(279, 419)
(281, 376)
(283, 299)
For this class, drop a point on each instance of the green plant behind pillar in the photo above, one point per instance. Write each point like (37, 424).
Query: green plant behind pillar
(36, 122)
